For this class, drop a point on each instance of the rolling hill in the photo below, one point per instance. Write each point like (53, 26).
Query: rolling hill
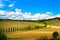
(52, 25)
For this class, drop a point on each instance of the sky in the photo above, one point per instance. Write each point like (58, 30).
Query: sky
(29, 9)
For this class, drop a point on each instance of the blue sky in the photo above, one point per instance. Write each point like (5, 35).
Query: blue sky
(29, 9)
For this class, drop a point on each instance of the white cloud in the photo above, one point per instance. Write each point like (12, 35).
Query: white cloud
(19, 15)
(15, 15)
(36, 16)
(58, 15)
(27, 15)
(48, 13)
(1, 4)
(18, 10)
(2, 12)
(11, 5)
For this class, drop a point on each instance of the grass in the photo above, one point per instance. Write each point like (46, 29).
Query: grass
(20, 24)
(34, 33)
(10, 26)
(39, 32)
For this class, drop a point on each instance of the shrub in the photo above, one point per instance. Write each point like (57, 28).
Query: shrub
(45, 24)
(2, 35)
(55, 34)
(46, 38)
(37, 27)
(10, 29)
(13, 29)
(29, 28)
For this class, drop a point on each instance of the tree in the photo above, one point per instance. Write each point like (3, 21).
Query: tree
(13, 29)
(2, 35)
(29, 28)
(55, 34)
(37, 27)
(45, 24)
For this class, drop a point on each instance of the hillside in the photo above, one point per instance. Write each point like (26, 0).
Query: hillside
(32, 23)
(13, 25)
(25, 23)
(14, 28)
(53, 22)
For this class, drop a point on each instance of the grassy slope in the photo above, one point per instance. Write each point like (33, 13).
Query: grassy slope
(54, 26)
(9, 23)
(55, 23)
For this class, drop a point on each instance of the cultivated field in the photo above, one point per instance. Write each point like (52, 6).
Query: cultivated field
(54, 25)
(35, 34)
(20, 24)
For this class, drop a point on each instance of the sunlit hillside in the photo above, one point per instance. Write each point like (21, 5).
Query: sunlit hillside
(14, 26)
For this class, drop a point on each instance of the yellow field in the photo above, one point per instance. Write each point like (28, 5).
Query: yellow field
(8, 23)
(34, 33)
(31, 34)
